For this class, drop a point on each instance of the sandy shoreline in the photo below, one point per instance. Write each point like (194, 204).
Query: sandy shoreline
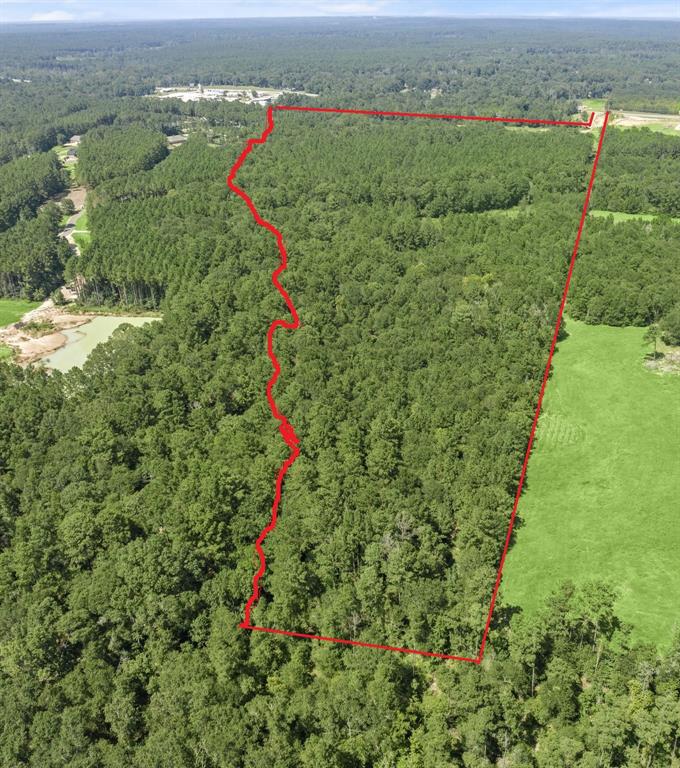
(29, 349)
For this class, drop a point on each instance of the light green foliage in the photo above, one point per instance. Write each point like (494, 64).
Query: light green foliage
(619, 216)
(603, 484)
(12, 310)
(594, 105)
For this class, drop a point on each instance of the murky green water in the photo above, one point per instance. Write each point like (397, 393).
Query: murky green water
(82, 340)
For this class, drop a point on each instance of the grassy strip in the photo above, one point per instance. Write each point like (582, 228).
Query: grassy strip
(81, 238)
(603, 483)
(511, 212)
(619, 216)
(12, 310)
(594, 105)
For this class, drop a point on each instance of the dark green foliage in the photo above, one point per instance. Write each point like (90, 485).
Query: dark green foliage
(27, 182)
(624, 275)
(415, 172)
(108, 152)
(670, 326)
(131, 492)
(436, 331)
(130, 500)
(32, 256)
(640, 173)
(160, 230)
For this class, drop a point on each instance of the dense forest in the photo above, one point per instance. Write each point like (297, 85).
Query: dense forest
(641, 173)
(427, 263)
(108, 152)
(32, 256)
(27, 182)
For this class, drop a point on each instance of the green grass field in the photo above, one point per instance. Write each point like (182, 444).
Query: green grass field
(12, 310)
(620, 216)
(595, 105)
(602, 490)
(82, 224)
(662, 128)
(81, 234)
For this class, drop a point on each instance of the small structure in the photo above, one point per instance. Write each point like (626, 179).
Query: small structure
(73, 141)
(175, 141)
(72, 152)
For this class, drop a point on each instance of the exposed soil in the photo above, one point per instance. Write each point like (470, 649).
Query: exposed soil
(28, 348)
(668, 362)
(624, 119)
(77, 194)
(21, 336)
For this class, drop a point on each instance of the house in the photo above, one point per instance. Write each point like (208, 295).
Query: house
(74, 140)
(175, 141)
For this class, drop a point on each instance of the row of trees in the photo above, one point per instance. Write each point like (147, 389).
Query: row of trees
(27, 182)
(111, 151)
(32, 256)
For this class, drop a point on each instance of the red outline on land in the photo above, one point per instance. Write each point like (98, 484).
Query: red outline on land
(285, 427)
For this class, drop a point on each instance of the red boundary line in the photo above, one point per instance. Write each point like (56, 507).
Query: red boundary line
(286, 429)
(438, 116)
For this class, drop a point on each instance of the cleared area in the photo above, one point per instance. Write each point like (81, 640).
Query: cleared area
(602, 495)
(12, 310)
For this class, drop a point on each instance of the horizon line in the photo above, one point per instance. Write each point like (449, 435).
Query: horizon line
(341, 17)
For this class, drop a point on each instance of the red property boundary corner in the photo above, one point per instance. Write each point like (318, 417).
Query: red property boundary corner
(286, 428)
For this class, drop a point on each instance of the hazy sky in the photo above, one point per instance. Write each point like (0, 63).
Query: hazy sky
(116, 10)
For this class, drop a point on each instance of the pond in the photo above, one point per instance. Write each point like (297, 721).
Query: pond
(82, 340)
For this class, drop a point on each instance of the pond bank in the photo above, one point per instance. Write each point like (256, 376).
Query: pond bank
(28, 348)
(70, 338)
(80, 341)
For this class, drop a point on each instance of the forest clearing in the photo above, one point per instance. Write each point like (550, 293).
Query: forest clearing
(603, 483)
(660, 122)
(619, 216)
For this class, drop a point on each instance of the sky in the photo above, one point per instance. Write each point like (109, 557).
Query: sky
(121, 10)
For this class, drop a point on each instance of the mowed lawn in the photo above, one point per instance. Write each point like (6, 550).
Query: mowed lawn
(602, 493)
(12, 310)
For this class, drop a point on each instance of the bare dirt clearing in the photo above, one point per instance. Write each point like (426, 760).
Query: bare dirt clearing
(27, 348)
(656, 121)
